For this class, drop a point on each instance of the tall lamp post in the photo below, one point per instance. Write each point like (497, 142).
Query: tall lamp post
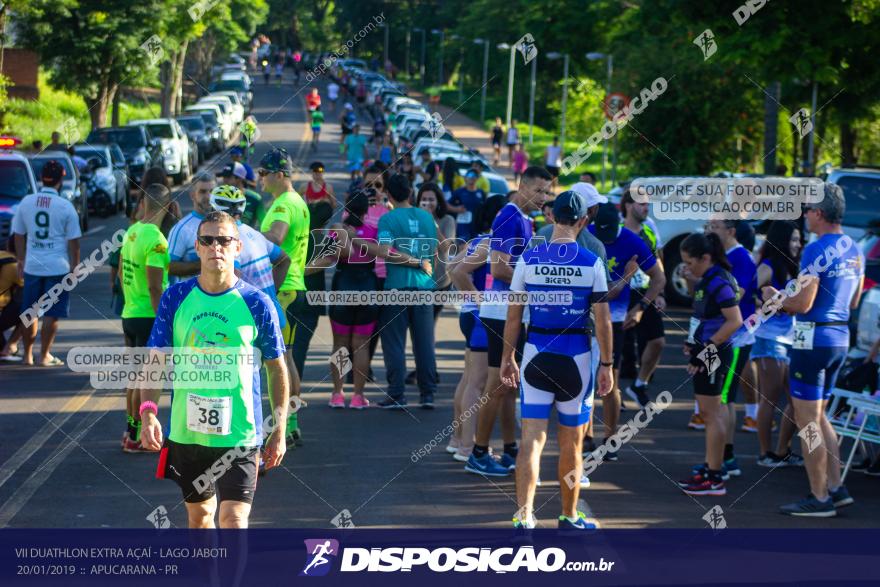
(485, 44)
(504, 47)
(532, 98)
(460, 67)
(564, 57)
(385, 26)
(610, 60)
(440, 64)
(422, 63)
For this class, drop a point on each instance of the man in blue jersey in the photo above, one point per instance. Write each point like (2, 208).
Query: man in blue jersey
(556, 357)
(745, 272)
(511, 232)
(182, 238)
(830, 284)
(626, 253)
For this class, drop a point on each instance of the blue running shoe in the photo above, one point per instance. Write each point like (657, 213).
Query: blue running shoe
(702, 470)
(841, 497)
(582, 523)
(732, 467)
(810, 507)
(508, 462)
(486, 466)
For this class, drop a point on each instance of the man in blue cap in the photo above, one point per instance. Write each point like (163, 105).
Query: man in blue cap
(466, 203)
(556, 358)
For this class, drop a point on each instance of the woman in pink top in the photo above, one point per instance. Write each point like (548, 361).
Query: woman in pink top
(520, 162)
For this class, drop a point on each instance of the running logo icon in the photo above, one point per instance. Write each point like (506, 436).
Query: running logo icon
(802, 122)
(526, 46)
(811, 436)
(709, 356)
(706, 43)
(320, 554)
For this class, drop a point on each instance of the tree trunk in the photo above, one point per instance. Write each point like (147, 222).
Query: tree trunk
(848, 144)
(114, 118)
(177, 77)
(771, 124)
(99, 104)
(166, 78)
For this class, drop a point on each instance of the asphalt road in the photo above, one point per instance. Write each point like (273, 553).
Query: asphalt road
(61, 466)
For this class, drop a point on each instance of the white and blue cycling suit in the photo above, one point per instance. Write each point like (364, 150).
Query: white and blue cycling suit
(556, 358)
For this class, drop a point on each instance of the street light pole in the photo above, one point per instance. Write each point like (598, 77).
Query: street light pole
(422, 62)
(408, 32)
(440, 63)
(532, 99)
(610, 59)
(387, 29)
(509, 80)
(564, 97)
(485, 75)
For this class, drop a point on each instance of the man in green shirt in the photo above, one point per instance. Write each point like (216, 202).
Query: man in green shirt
(144, 261)
(317, 121)
(216, 424)
(286, 224)
(235, 174)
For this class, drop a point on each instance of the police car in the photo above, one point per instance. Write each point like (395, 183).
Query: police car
(16, 182)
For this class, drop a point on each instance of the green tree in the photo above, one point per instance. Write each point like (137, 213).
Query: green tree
(91, 46)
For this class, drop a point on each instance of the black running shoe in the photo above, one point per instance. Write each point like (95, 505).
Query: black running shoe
(639, 393)
(390, 403)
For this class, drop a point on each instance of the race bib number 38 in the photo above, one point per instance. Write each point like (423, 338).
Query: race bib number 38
(803, 335)
(208, 415)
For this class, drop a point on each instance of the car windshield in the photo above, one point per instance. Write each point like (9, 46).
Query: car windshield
(209, 117)
(862, 195)
(224, 107)
(87, 154)
(14, 182)
(229, 85)
(128, 139)
(192, 123)
(161, 130)
(38, 162)
(497, 186)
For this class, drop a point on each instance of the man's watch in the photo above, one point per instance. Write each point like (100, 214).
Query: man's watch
(606, 364)
(644, 304)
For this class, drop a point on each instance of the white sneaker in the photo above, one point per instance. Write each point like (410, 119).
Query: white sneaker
(451, 449)
(460, 457)
(585, 481)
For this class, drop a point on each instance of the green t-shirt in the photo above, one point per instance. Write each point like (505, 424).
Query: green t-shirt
(224, 408)
(254, 211)
(317, 119)
(144, 246)
(412, 231)
(291, 209)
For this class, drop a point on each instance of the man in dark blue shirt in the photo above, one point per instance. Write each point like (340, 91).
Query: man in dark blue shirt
(466, 203)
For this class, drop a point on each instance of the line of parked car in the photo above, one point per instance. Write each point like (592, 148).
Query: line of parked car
(413, 126)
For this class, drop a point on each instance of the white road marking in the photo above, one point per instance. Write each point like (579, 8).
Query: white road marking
(36, 442)
(33, 483)
(95, 230)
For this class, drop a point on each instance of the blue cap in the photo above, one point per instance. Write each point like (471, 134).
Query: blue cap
(236, 151)
(569, 206)
(471, 173)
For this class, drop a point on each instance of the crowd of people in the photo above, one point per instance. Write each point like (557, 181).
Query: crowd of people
(236, 271)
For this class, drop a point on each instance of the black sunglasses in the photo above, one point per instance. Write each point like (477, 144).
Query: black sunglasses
(209, 241)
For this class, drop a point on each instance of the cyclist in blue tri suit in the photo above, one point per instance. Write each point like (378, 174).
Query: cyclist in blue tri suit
(832, 272)
(556, 357)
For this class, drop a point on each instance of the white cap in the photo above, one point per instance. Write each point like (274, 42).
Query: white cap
(589, 193)
(348, 106)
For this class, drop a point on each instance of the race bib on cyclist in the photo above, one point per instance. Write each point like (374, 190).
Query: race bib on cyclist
(692, 330)
(465, 217)
(208, 415)
(803, 335)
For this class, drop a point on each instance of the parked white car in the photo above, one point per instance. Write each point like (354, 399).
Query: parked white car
(235, 97)
(235, 108)
(175, 146)
(224, 121)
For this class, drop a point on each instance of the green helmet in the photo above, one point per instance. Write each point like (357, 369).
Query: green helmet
(228, 198)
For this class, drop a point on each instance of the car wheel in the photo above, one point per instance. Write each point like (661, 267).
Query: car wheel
(676, 285)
